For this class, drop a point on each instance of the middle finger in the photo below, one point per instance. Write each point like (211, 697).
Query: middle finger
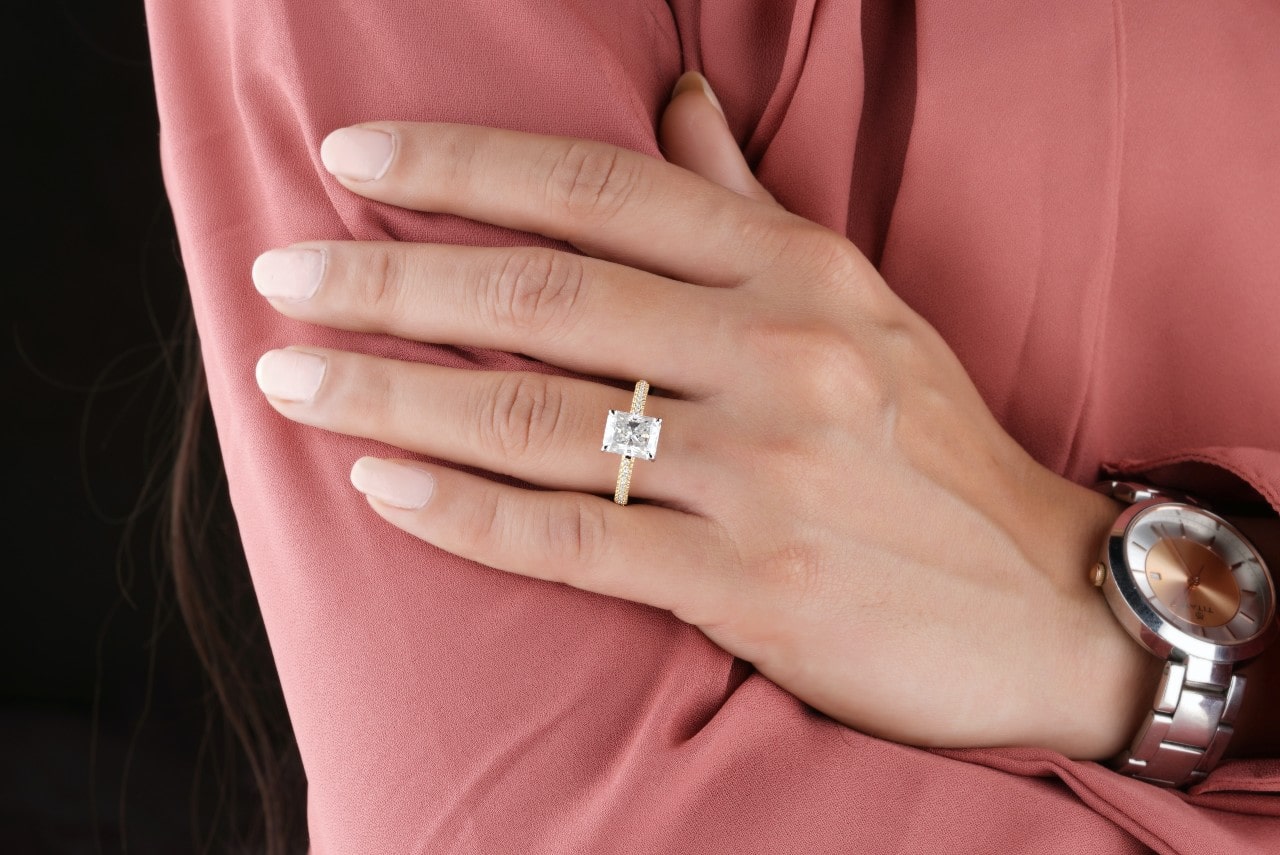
(580, 313)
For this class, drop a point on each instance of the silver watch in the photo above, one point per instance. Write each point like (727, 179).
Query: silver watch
(1195, 592)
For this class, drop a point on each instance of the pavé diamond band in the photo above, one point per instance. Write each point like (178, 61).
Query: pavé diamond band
(631, 434)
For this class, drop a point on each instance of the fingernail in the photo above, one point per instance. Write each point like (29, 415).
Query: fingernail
(357, 154)
(397, 484)
(693, 80)
(290, 375)
(289, 274)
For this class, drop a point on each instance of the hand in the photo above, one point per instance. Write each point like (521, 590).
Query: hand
(831, 500)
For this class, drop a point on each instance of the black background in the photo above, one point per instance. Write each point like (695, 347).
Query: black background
(101, 702)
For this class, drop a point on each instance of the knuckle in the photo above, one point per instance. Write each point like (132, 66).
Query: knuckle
(832, 266)
(840, 373)
(364, 395)
(535, 290)
(523, 412)
(795, 570)
(824, 368)
(458, 157)
(574, 534)
(836, 263)
(381, 287)
(482, 522)
(382, 399)
(593, 180)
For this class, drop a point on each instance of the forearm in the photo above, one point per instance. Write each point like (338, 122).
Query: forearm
(1113, 678)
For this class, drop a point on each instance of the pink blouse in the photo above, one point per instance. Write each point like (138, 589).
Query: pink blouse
(1083, 198)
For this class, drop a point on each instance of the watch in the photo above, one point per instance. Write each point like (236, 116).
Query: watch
(1195, 592)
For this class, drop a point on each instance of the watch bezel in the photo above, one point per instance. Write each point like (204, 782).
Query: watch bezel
(1150, 628)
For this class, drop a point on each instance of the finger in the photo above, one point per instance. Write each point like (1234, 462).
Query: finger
(693, 134)
(610, 202)
(539, 428)
(581, 313)
(643, 553)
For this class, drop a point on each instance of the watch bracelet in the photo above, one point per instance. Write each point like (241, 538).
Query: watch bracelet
(1131, 492)
(1191, 722)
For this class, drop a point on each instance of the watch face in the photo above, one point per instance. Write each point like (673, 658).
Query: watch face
(1199, 574)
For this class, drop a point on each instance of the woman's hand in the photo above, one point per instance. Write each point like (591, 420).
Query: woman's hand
(832, 499)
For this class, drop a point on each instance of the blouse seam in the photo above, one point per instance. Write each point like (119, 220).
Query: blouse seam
(1107, 279)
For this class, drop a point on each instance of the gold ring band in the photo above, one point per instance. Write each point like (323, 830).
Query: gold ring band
(622, 492)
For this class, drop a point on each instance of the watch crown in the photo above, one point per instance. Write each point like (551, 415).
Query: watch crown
(1098, 575)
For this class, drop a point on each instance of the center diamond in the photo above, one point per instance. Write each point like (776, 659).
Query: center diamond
(631, 435)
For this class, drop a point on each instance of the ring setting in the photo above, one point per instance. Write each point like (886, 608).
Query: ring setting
(633, 435)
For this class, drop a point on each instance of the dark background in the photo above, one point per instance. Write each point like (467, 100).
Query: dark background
(101, 699)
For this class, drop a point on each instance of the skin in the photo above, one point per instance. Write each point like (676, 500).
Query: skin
(832, 500)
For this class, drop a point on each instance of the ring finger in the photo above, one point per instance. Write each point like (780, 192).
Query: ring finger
(539, 428)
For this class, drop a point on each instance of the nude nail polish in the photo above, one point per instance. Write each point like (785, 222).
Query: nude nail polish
(357, 154)
(289, 274)
(291, 375)
(400, 485)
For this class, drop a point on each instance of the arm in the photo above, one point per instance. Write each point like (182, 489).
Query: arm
(967, 552)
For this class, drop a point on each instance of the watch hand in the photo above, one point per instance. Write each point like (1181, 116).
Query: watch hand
(1178, 552)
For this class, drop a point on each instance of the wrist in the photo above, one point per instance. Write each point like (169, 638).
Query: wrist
(1105, 681)
(1115, 681)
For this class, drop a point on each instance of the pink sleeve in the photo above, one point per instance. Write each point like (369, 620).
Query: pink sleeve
(1009, 168)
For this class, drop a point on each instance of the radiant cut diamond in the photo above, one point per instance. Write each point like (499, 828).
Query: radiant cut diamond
(631, 435)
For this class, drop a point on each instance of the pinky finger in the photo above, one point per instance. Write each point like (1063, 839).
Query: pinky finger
(643, 553)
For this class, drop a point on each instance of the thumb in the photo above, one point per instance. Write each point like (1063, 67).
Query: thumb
(693, 134)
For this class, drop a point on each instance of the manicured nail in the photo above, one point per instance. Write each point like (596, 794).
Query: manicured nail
(693, 80)
(289, 274)
(397, 484)
(357, 154)
(290, 375)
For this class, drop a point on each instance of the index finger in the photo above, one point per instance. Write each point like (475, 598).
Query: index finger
(609, 202)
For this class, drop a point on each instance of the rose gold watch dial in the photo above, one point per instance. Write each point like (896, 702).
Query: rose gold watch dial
(1197, 572)
(1193, 581)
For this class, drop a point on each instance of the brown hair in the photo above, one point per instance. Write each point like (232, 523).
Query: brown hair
(261, 789)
